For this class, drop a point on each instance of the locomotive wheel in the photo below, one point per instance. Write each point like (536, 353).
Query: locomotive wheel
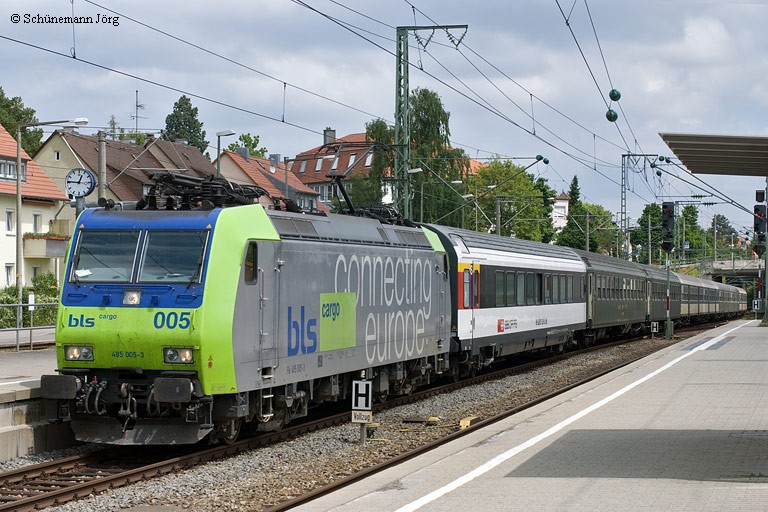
(234, 431)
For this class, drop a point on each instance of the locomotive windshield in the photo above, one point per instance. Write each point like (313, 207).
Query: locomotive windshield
(175, 256)
(105, 256)
(161, 256)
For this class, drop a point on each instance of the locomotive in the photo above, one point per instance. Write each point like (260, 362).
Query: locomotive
(199, 319)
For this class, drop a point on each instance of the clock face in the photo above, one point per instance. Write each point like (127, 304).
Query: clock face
(80, 182)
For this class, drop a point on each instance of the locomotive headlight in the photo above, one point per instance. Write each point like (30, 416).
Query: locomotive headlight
(131, 297)
(78, 353)
(179, 356)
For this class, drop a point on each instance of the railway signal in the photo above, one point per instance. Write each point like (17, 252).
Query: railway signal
(668, 226)
(760, 227)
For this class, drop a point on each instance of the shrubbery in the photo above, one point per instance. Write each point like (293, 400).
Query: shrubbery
(46, 291)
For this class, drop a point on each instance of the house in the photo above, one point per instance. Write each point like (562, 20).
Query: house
(336, 156)
(271, 175)
(41, 201)
(128, 166)
(560, 211)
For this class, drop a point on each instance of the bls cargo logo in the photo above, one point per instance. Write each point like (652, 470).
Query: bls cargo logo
(80, 321)
(337, 325)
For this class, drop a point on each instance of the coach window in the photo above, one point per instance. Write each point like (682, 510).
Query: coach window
(476, 289)
(556, 284)
(251, 274)
(500, 295)
(563, 300)
(467, 287)
(510, 288)
(530, 289)
(520, 289)
(548, 288)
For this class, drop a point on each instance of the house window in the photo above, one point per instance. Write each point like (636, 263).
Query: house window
(303, 166)
(319, 165)
(368, 159)
(37, 222)
(35, 271)
(3, 169)
(9, 224)
(335, 163)
(11, 170)
(57, 155)
(9, 275)
(352, 159)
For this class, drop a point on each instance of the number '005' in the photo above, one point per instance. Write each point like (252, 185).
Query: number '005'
(172, 320)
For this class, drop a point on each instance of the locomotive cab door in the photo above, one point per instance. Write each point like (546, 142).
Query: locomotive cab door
(254, 323)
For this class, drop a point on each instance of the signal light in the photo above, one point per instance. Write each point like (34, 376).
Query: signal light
(668, 226)
(760, 219)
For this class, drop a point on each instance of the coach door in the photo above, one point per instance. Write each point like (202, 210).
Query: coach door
(590, 297)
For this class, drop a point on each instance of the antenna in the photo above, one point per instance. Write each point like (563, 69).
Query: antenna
(136, 116)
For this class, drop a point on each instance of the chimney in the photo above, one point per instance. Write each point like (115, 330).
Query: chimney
(243, 152)
(329, 135)
(274, 159)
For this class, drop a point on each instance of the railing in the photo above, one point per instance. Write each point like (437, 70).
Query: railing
(16, 320)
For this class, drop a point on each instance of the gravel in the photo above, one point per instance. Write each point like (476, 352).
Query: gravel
(264, 477)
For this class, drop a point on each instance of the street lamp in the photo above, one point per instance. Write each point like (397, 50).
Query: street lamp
(19, 241)
(219, 135)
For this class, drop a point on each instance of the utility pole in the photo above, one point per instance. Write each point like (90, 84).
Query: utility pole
(402, 188)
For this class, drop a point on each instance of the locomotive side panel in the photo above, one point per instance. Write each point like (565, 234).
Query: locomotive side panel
(338, 308)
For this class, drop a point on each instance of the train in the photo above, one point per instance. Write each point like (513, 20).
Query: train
(199, 319)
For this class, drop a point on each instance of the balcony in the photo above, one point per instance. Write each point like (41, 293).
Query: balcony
(45, 245)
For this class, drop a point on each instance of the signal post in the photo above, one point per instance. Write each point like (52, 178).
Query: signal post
(667, 244)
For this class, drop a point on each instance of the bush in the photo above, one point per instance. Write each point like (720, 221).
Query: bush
(46, 290)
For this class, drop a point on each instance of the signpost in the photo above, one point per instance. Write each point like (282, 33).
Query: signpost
(362, 403)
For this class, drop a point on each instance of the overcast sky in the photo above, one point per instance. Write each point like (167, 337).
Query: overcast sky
(516, 85)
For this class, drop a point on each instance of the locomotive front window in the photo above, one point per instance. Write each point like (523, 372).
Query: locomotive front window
(105, 256)
(173, 256)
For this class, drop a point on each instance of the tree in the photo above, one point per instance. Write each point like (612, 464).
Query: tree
(441, 164)
(602, 229)
(574, 232)
(182, 124)
(524, 204)
(12, 113)
(251, 142)
(639, 236)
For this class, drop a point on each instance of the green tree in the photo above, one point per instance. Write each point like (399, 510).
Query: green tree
(12, 113)
(182, 124)
(639, 236)
(574, 232)
(441, 164)
(690, 230)
(524, 204)
(602, 229)
(251, 142)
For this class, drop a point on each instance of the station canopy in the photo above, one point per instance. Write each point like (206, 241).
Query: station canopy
(720, 154)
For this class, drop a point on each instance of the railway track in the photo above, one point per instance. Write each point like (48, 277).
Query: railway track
(63, 480)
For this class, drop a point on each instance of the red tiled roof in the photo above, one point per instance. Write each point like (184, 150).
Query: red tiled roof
(38, 183)
(328, 155)
(254, 172)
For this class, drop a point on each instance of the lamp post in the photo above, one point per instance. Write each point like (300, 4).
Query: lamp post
(19, 239)
(219, 135)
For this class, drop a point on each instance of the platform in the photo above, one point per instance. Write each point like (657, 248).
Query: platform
(24, 425)
(685, 428)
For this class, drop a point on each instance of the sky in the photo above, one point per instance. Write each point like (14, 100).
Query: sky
(526, 77)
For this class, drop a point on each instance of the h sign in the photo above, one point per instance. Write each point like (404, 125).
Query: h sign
(362, 396)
